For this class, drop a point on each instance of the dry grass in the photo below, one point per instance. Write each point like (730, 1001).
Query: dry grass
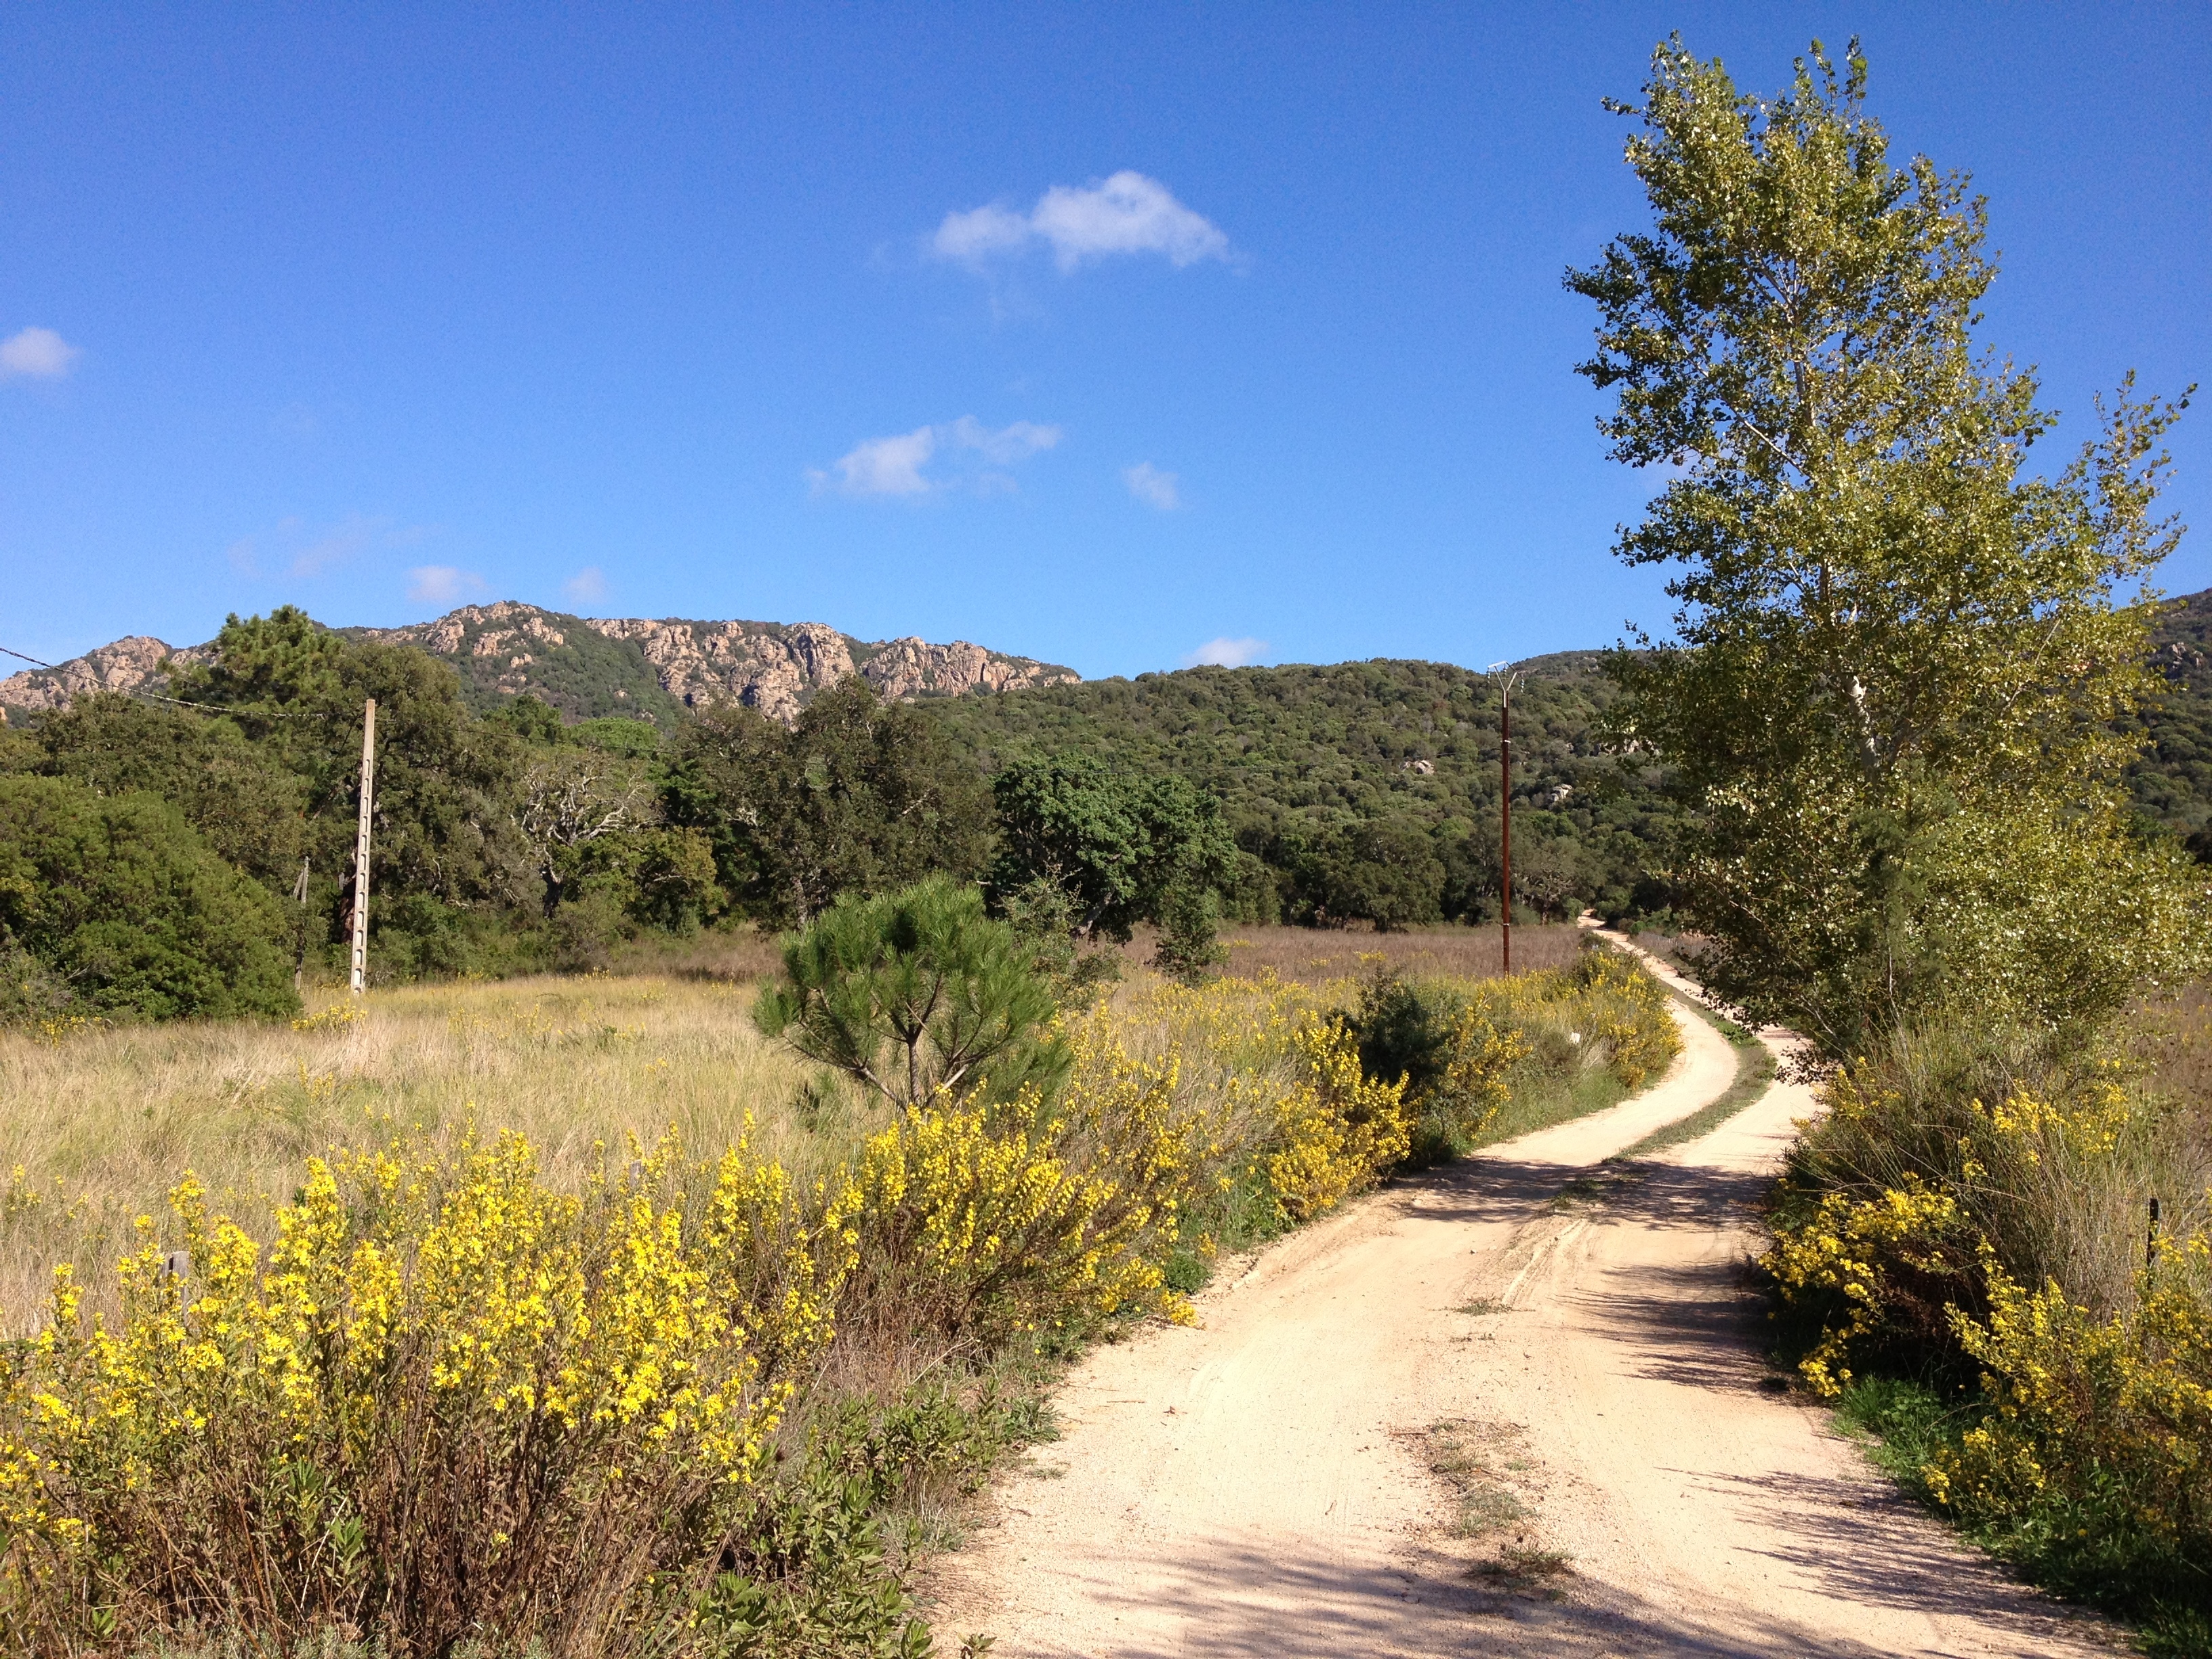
(732, 955)
(101, 1123)
(1318, 956)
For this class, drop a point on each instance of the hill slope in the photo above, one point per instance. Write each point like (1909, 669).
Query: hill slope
(1293, 747)
(1294, 751)
(589, 667)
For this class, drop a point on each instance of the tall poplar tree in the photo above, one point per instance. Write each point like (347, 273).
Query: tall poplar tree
(1897, 699)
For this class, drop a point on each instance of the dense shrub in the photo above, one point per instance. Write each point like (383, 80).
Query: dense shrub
(121, 902)
(1960, 1250)
(1462, 1051)
(450, 1403)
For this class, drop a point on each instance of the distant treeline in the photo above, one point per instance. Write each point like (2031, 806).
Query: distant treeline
(193, 853)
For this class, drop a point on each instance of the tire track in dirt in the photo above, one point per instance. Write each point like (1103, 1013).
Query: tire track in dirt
(1559, 1360)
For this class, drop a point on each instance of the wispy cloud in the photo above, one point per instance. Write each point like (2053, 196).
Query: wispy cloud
(1152, 487)
(1015, 442)
(1127, 214)
(1226, 653)
(38, 352)
(587, 587)
(442, 584)
(883, 467)
(893, 466)
(302, 550)
(341, 544)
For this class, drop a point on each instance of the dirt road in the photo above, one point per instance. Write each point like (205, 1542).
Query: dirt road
(1510, 1406)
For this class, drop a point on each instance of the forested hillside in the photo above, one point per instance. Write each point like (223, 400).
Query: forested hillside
(512, 834)
(1303, 757)
(2173, 782)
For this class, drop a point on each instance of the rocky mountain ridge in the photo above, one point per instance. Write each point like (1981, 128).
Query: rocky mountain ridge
(592, 666)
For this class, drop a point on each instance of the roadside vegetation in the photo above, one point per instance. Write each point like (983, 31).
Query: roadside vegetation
(641, 1315)
(1904, 717)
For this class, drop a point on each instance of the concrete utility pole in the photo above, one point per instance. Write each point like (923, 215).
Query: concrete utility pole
(1506, 681)
(360, 848)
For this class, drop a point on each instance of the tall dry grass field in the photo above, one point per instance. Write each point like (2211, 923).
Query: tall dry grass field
(98, 1125)
(1318, 956)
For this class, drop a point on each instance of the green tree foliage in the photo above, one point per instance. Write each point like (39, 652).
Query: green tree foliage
(1386, 871)
(1898, 704)
(1117, 844)
(249, 808)
(121, 903)
(1296, 753)
(913, 992)
(862, 796)
(443, 779)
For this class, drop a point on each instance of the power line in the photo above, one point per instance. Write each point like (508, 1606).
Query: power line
(180, 702)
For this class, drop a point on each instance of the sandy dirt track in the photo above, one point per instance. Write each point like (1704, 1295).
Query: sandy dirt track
(1564, 1354)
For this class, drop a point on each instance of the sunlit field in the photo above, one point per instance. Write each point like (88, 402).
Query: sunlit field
(100, 1122)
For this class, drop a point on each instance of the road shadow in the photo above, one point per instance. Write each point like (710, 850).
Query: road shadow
(1233, 1605)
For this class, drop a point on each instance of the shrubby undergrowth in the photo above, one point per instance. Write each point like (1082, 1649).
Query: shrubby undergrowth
(1966, 1258)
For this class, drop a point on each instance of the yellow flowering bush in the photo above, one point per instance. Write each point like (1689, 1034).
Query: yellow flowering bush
(448, 1401)
(2069, 1426)
(2114, 1412)
(1249, 1076)
(978, 1221)
(1851, 1251)
(1619, 1011)
(1339, 1131)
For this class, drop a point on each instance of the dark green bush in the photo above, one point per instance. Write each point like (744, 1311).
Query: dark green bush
(121, 902)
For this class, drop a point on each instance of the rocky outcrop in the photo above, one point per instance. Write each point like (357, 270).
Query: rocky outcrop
(765, 665)
(778, 669)
(127, 665)
(588, 666)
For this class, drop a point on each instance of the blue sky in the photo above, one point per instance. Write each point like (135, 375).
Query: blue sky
(1098, 334)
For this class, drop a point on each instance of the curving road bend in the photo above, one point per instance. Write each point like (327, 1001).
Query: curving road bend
(1510, 1406)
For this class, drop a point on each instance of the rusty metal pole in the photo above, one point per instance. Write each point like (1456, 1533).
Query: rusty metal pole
(1505, 821)
(1505, 678)
(360, 848)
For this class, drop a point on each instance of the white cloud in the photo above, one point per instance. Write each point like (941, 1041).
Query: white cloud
(1152, 487)
(893, 466)
(587, 587)
(1009, 444)
(884, 466)
(442, 584)
(36, 351)
(1226, 653)
(1128, 213)
(972, 236)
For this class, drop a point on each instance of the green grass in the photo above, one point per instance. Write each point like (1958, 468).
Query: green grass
(1754, 1071)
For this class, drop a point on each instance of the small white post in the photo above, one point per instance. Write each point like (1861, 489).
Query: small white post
(360, 848)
